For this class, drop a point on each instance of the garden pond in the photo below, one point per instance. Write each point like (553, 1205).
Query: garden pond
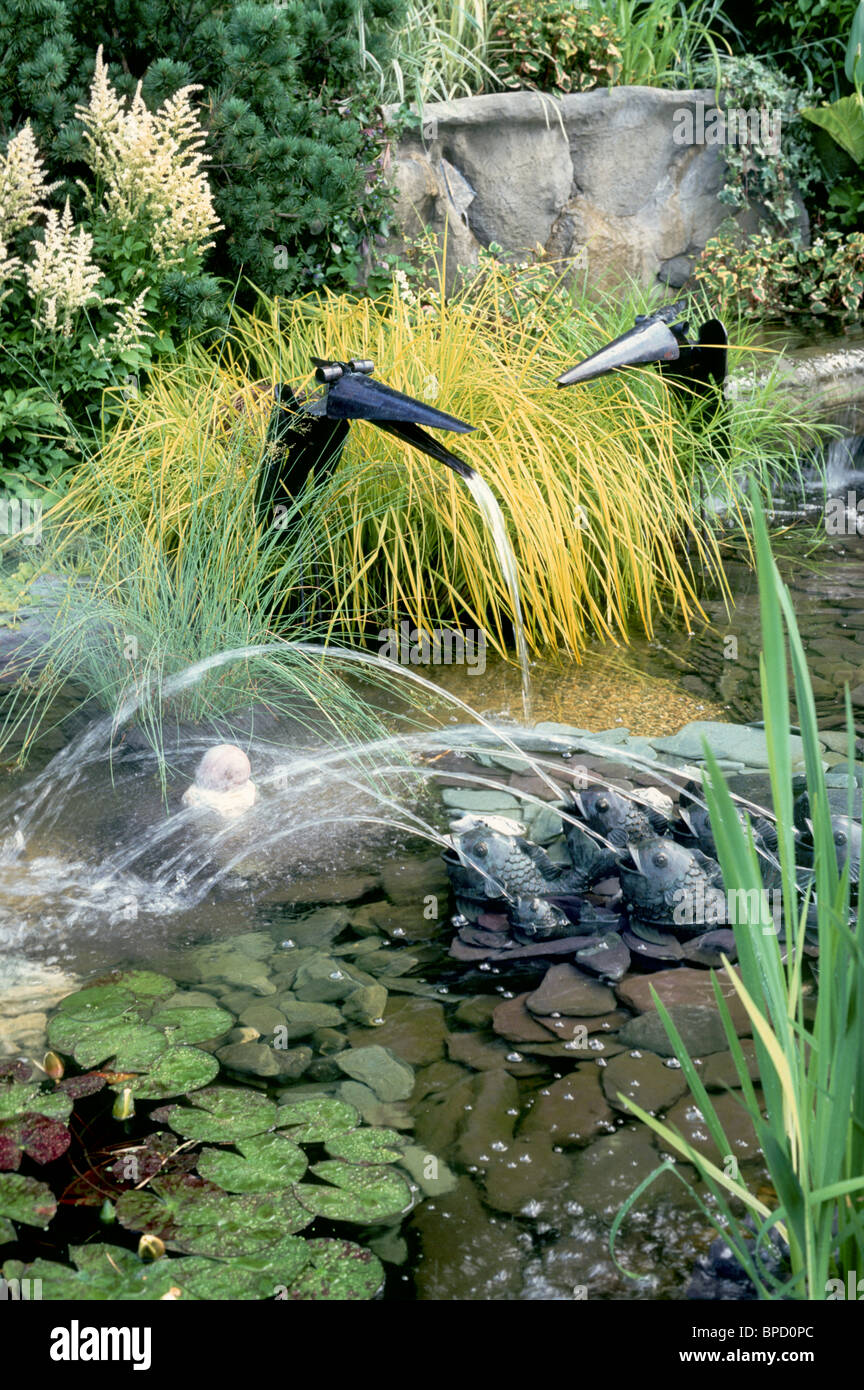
(476, 1147)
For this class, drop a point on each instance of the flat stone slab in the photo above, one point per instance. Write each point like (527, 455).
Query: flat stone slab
(735, 742)
(682, 985)
(568, 991)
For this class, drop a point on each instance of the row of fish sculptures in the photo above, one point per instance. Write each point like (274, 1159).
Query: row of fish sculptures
(641, 884)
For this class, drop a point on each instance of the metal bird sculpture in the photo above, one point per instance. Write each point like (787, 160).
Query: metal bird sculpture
(697, 368)
(307, 433)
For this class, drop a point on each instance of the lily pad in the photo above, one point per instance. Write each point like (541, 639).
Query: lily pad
(41, 1139)
(359, 1194)
(26, 1200)
(139, 1049)
(192, 1025)
(366, 1146)
(7, 1231)
(223, 1114)
(20, 1098)
(314, 1121)
(102, 1002)
(177, 1072)
(146, 984)
(269, 1162)
(197, 1218)
(104, 1273)
(247, 1276)
(92, 1043)
(339, 1270)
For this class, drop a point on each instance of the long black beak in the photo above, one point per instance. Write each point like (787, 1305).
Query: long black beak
(353, 394)
(652, 340)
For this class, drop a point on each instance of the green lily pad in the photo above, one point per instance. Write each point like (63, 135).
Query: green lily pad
(360, 1194)
(104, 1273)
(339, 1270)
(139, 1048)
(7, 1231)
(197, 1218)
(19, 1098)
(366, 1146)
(26, 1199)
(223, 1115)
(314, 1121)
(178, 1071)
(100, 1003)
(146, 984)
(269, 1162)
(247, 1276)
(93, 1043)
(192, 1025)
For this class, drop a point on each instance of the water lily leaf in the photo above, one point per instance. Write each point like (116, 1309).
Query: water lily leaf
(339, 1270)
(195, 1217)
(100, 1003)
(93, 1043)
(178, 1071)
(41, 1139)
(247, 1276)
(314, 1121)
(7, 1231)
(105, 1273)
(77, 1086)
(366, 1146)
(146, 984)
(29, 1099)
(360, 1194)
(26, 1199)
(269, 1162)
(223, 1114)
(139, 1048)
(192, 1025)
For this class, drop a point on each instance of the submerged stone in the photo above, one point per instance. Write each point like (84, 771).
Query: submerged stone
(380, 1070)
(700, 1027)
(413, 1030)
(571, 1111)
(566, 990)
(644, 1079)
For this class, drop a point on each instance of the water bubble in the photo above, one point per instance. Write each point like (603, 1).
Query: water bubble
(515, 1057)
(288, 944)
(499, 1146)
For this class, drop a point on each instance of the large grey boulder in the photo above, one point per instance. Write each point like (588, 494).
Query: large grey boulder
(599, 176)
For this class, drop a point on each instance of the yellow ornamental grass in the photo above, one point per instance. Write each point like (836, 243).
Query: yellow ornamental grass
(595, 484)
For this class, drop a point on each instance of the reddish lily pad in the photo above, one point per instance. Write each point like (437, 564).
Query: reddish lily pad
(41, 1139)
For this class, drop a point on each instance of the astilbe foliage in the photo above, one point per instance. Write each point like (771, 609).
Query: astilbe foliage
(294, 141)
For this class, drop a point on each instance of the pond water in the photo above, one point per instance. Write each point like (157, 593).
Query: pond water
(341, 867)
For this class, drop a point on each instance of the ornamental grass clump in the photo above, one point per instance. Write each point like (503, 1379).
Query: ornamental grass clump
(599, 485)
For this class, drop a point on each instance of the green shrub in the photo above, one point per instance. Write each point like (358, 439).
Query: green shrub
(765, 277)
(551, 46)
(294, 139)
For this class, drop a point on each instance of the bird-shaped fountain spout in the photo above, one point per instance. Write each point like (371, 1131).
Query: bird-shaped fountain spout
(309, 433)
(694, 368)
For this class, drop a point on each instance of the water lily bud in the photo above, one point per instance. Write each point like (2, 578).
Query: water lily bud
(124, 1105)
(107, 1212)
(150, 1248)
(53, 1066)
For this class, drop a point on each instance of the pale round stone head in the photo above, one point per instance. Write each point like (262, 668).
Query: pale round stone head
(223, 768)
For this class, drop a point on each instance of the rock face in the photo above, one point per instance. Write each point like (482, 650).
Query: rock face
(598, 176)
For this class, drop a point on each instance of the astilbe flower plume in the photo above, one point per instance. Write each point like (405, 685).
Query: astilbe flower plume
(62, 277)
(22, 184)
(150, 164)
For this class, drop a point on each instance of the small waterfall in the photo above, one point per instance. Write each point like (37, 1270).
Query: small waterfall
(493, 516)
